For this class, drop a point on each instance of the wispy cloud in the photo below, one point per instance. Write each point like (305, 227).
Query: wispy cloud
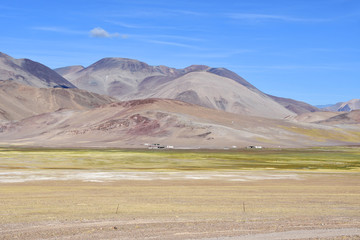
(133, 26)
(217, 54)
(332, 50)
(156, 13)
(99, 32)
(137, 26)
(254, 17)
(126, 25)
(171, 40)
(176, 44)
(186, 12)
(292, 67)
(192, 39)
(59, 30)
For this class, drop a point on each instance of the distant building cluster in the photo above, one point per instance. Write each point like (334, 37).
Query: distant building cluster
(158, 146)
(254, 147)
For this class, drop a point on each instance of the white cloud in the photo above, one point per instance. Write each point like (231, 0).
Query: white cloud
(99, 32)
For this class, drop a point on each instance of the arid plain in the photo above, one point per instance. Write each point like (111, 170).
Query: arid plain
(147, 194)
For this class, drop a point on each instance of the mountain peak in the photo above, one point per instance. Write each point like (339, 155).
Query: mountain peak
(195, 68)
(28, 72)
(223, 72)
(3, 55)
(354, 101)
(128, 79)
(353, 104)
(131, 65)
(44, 73)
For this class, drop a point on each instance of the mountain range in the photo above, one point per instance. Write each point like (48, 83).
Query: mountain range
(118, 102)
(217, 88)
(170, 122)
(348, 106)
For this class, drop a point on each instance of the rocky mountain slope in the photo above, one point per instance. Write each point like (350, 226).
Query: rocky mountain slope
(352, 117)
(18, 101)
(331, 118)
(197, 106)
(168, 122)
(216, 88)
(297, 107)
(313, 117)
(26, 71)
(114, 76)
(348, 106)
(67, 71)
(212, 91)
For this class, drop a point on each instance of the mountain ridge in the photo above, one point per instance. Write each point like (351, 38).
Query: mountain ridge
(18, 101)
(353, 104)
(197, 106)
(295, 106)
(137, 122)
(31, 73)
(128, 79)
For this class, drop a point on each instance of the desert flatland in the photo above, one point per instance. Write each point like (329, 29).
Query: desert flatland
(173, 194)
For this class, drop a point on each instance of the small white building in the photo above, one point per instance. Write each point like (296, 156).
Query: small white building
(254, 147)
(159, 146)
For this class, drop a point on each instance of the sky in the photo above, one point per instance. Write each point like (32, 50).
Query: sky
(307, 50)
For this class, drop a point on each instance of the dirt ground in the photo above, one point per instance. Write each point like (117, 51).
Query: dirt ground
(312, 206)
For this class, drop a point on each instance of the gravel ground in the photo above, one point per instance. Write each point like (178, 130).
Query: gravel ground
(312, 206)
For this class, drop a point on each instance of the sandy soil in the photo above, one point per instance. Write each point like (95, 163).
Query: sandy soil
(312, 206)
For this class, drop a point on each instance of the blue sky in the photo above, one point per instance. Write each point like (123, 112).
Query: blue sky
(302, 49)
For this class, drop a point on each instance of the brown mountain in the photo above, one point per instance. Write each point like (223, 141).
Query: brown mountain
(348, 106)
(223, 72)
(129, 79)
(213, 91)
(59, 117)
(31, 73)
(217, 88)
(113, 76)
(18, 101)
(297, 107)
(352, 117)
(331, 118)
(66, 71)
(313, 117)
(168, 122)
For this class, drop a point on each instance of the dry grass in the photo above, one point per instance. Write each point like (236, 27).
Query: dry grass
(328, 159)
(325, 135)
(174, 209)
(319, 195)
